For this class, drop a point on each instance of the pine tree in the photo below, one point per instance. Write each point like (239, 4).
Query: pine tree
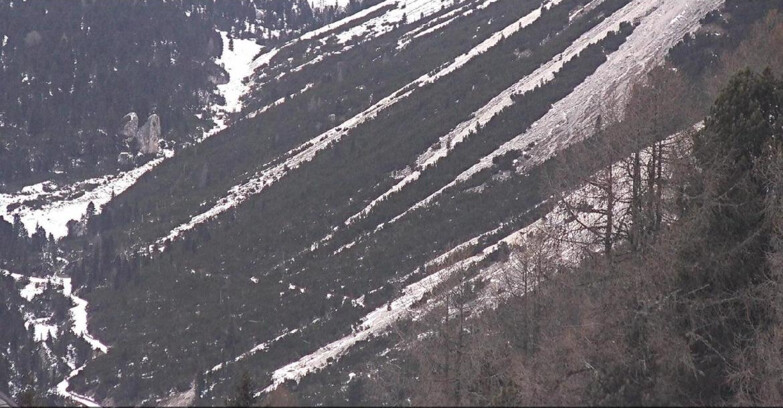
(244, 395)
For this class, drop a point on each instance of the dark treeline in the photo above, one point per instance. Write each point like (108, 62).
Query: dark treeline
(72, 70)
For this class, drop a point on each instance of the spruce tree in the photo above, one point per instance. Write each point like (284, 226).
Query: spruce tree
(244, 395)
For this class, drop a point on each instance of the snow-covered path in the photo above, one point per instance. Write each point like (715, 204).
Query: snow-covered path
(78, 314)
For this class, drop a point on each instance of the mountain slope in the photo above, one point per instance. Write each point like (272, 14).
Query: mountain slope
(266, 210)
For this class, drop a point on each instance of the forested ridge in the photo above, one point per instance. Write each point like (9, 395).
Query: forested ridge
(72, 71)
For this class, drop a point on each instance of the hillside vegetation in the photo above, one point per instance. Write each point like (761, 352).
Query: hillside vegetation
(685, 312)
(415, 202)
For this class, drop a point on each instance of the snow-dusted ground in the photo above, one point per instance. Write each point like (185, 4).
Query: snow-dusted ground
(239, 65)
(60, 204)
(307, 151)
(36, 286)
(378, 321)
(559, 235)
(52, 206)
(43, 329)
(321, 4)
(663, 23)
(259, 348)
(352, 28)
(493, 107)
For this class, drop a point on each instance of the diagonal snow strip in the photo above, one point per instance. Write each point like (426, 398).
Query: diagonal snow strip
(260, 347)
(307, 151)
(342, 30)
(663, 24)
(544, 74)
(378, 321)
(346, 21)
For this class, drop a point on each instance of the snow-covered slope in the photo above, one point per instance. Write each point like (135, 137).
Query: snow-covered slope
(662, 24)
(565, 237)
(238, 63)
(51, 206)
(307, 151)
(352, 178)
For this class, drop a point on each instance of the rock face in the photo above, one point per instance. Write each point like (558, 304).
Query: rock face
(130, 125)
(148, 136)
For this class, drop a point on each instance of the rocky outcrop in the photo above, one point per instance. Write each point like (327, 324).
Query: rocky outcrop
(148, 136)
(130, 125)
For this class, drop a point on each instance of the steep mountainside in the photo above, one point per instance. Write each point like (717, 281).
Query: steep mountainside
(352, 164)
(324, 202)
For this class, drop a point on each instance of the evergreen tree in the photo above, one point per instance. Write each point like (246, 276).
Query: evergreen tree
(244, 395)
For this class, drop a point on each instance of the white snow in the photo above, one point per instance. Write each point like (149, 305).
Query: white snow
(239, 64)
(62, 204)
(571, 119)
(643, 49)
(375, 323)
(260, 347)
(321, 4)
(62, 390)
(481, 117)
(33, 289)
(566, 250)
(307, 151)
(42, 330)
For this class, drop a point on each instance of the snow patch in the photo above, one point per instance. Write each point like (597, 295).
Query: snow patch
(63, 204)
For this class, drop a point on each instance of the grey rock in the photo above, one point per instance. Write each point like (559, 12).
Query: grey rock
(130, 125)
(148, 137)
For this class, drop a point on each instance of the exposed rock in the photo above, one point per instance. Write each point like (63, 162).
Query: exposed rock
(218, 76)
(130, 125)
(125, 160)
(148, 137)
